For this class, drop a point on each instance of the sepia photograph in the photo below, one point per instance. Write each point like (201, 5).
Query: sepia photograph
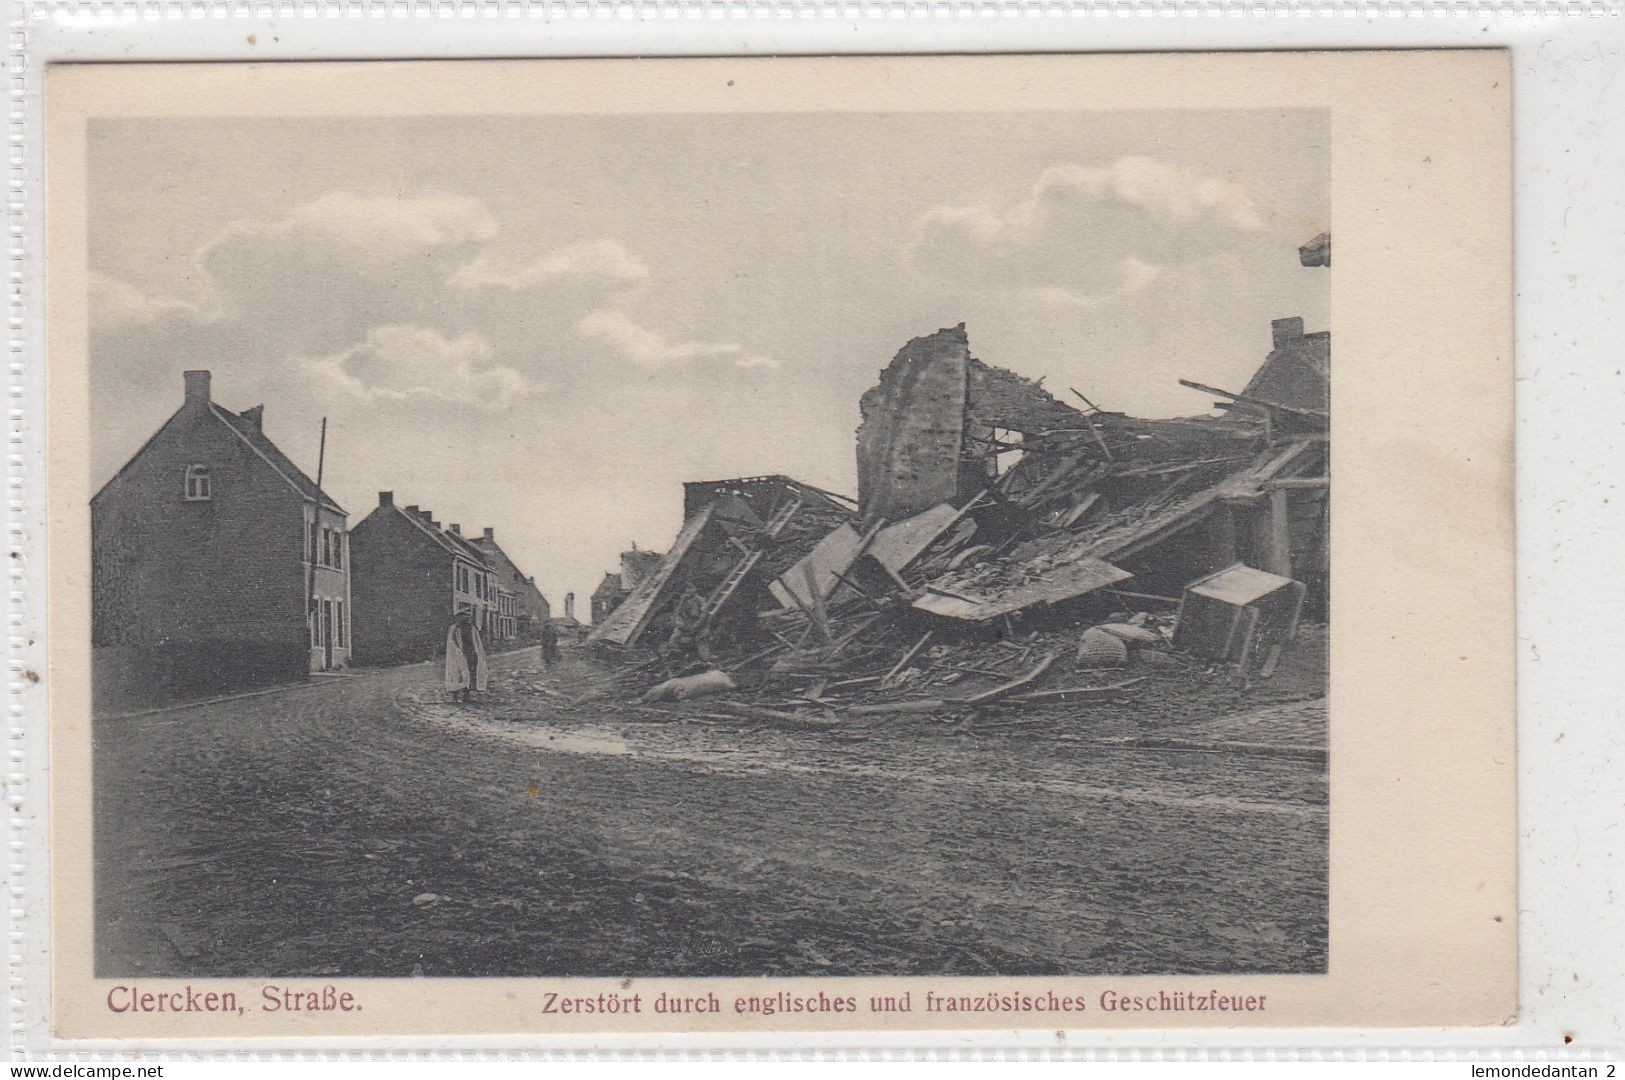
(740, 545)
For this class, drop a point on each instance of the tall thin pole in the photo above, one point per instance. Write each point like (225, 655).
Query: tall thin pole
(315, 538)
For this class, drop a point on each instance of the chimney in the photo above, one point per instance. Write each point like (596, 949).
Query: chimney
(569, 605)
(490, 535)
(197, 385)
(457, 530)
(386, 498)
(1286, 331)
(413, 510)
(254, 416)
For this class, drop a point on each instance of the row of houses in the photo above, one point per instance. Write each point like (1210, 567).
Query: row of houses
(217, 564)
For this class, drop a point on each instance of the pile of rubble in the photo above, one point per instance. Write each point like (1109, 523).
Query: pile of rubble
(1005, 547)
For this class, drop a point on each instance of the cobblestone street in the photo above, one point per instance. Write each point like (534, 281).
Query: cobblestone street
(367, 827)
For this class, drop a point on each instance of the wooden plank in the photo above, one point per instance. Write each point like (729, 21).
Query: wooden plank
(1079, 510)
(775, 716)
(1040, 695)
(1319, 414)
(868, 621)
(1271, 662)
(1279, 557)
(815, 607)
(1090, 424)
(904, 587)
(918, 645)
(1013, 685)
(812, 620)
(919, 705)
(1143, 596)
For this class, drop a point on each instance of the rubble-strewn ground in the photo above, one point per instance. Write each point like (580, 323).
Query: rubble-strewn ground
(1178, 828)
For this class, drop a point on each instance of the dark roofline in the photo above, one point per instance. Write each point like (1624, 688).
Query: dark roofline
(221, 413)
(298, 481)
(443, 538)
(133, 458)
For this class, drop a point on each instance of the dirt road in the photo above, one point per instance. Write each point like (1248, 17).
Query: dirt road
(366, 827)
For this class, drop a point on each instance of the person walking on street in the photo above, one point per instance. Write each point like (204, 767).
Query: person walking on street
(465, 657)
(550, 643)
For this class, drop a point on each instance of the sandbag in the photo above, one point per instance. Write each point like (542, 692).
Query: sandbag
(1100, 649)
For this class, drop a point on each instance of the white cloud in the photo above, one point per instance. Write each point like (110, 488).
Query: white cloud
(650, 349)
(603, 262)
(116, 304)
(407, 299)
(372, 228)
(414, 363)
(1084, 234)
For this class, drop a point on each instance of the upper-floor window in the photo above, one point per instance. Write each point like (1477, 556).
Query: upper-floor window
(197, 482)
(332, 550)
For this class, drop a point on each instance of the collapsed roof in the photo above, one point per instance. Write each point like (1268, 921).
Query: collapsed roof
(982, 497)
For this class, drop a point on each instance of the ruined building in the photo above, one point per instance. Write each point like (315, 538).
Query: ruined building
(986, 504)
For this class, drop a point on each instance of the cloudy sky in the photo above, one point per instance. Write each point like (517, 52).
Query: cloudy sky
(546, 324)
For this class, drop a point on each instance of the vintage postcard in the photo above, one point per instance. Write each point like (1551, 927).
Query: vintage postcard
(746, 545)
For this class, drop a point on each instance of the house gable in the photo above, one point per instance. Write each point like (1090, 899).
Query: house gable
(166, 567)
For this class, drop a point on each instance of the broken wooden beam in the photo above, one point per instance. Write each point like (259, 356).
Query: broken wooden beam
(774, 716)
(943, 590)
(1040, 695)
(904, 587)
(1319, 414)
(918, 705)
(1012, 686)
(907, 657)
(1142, 596)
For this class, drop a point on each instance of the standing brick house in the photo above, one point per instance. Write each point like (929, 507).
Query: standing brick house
(607, 597)
(201, 557)
(636, 565)
(528, 608)
(410, 577)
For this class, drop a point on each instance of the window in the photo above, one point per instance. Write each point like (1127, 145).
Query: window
(338, 621)
(332, 548)
(197, 483)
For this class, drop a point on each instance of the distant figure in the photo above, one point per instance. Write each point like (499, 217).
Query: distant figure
(550, 643)
(465, 658)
